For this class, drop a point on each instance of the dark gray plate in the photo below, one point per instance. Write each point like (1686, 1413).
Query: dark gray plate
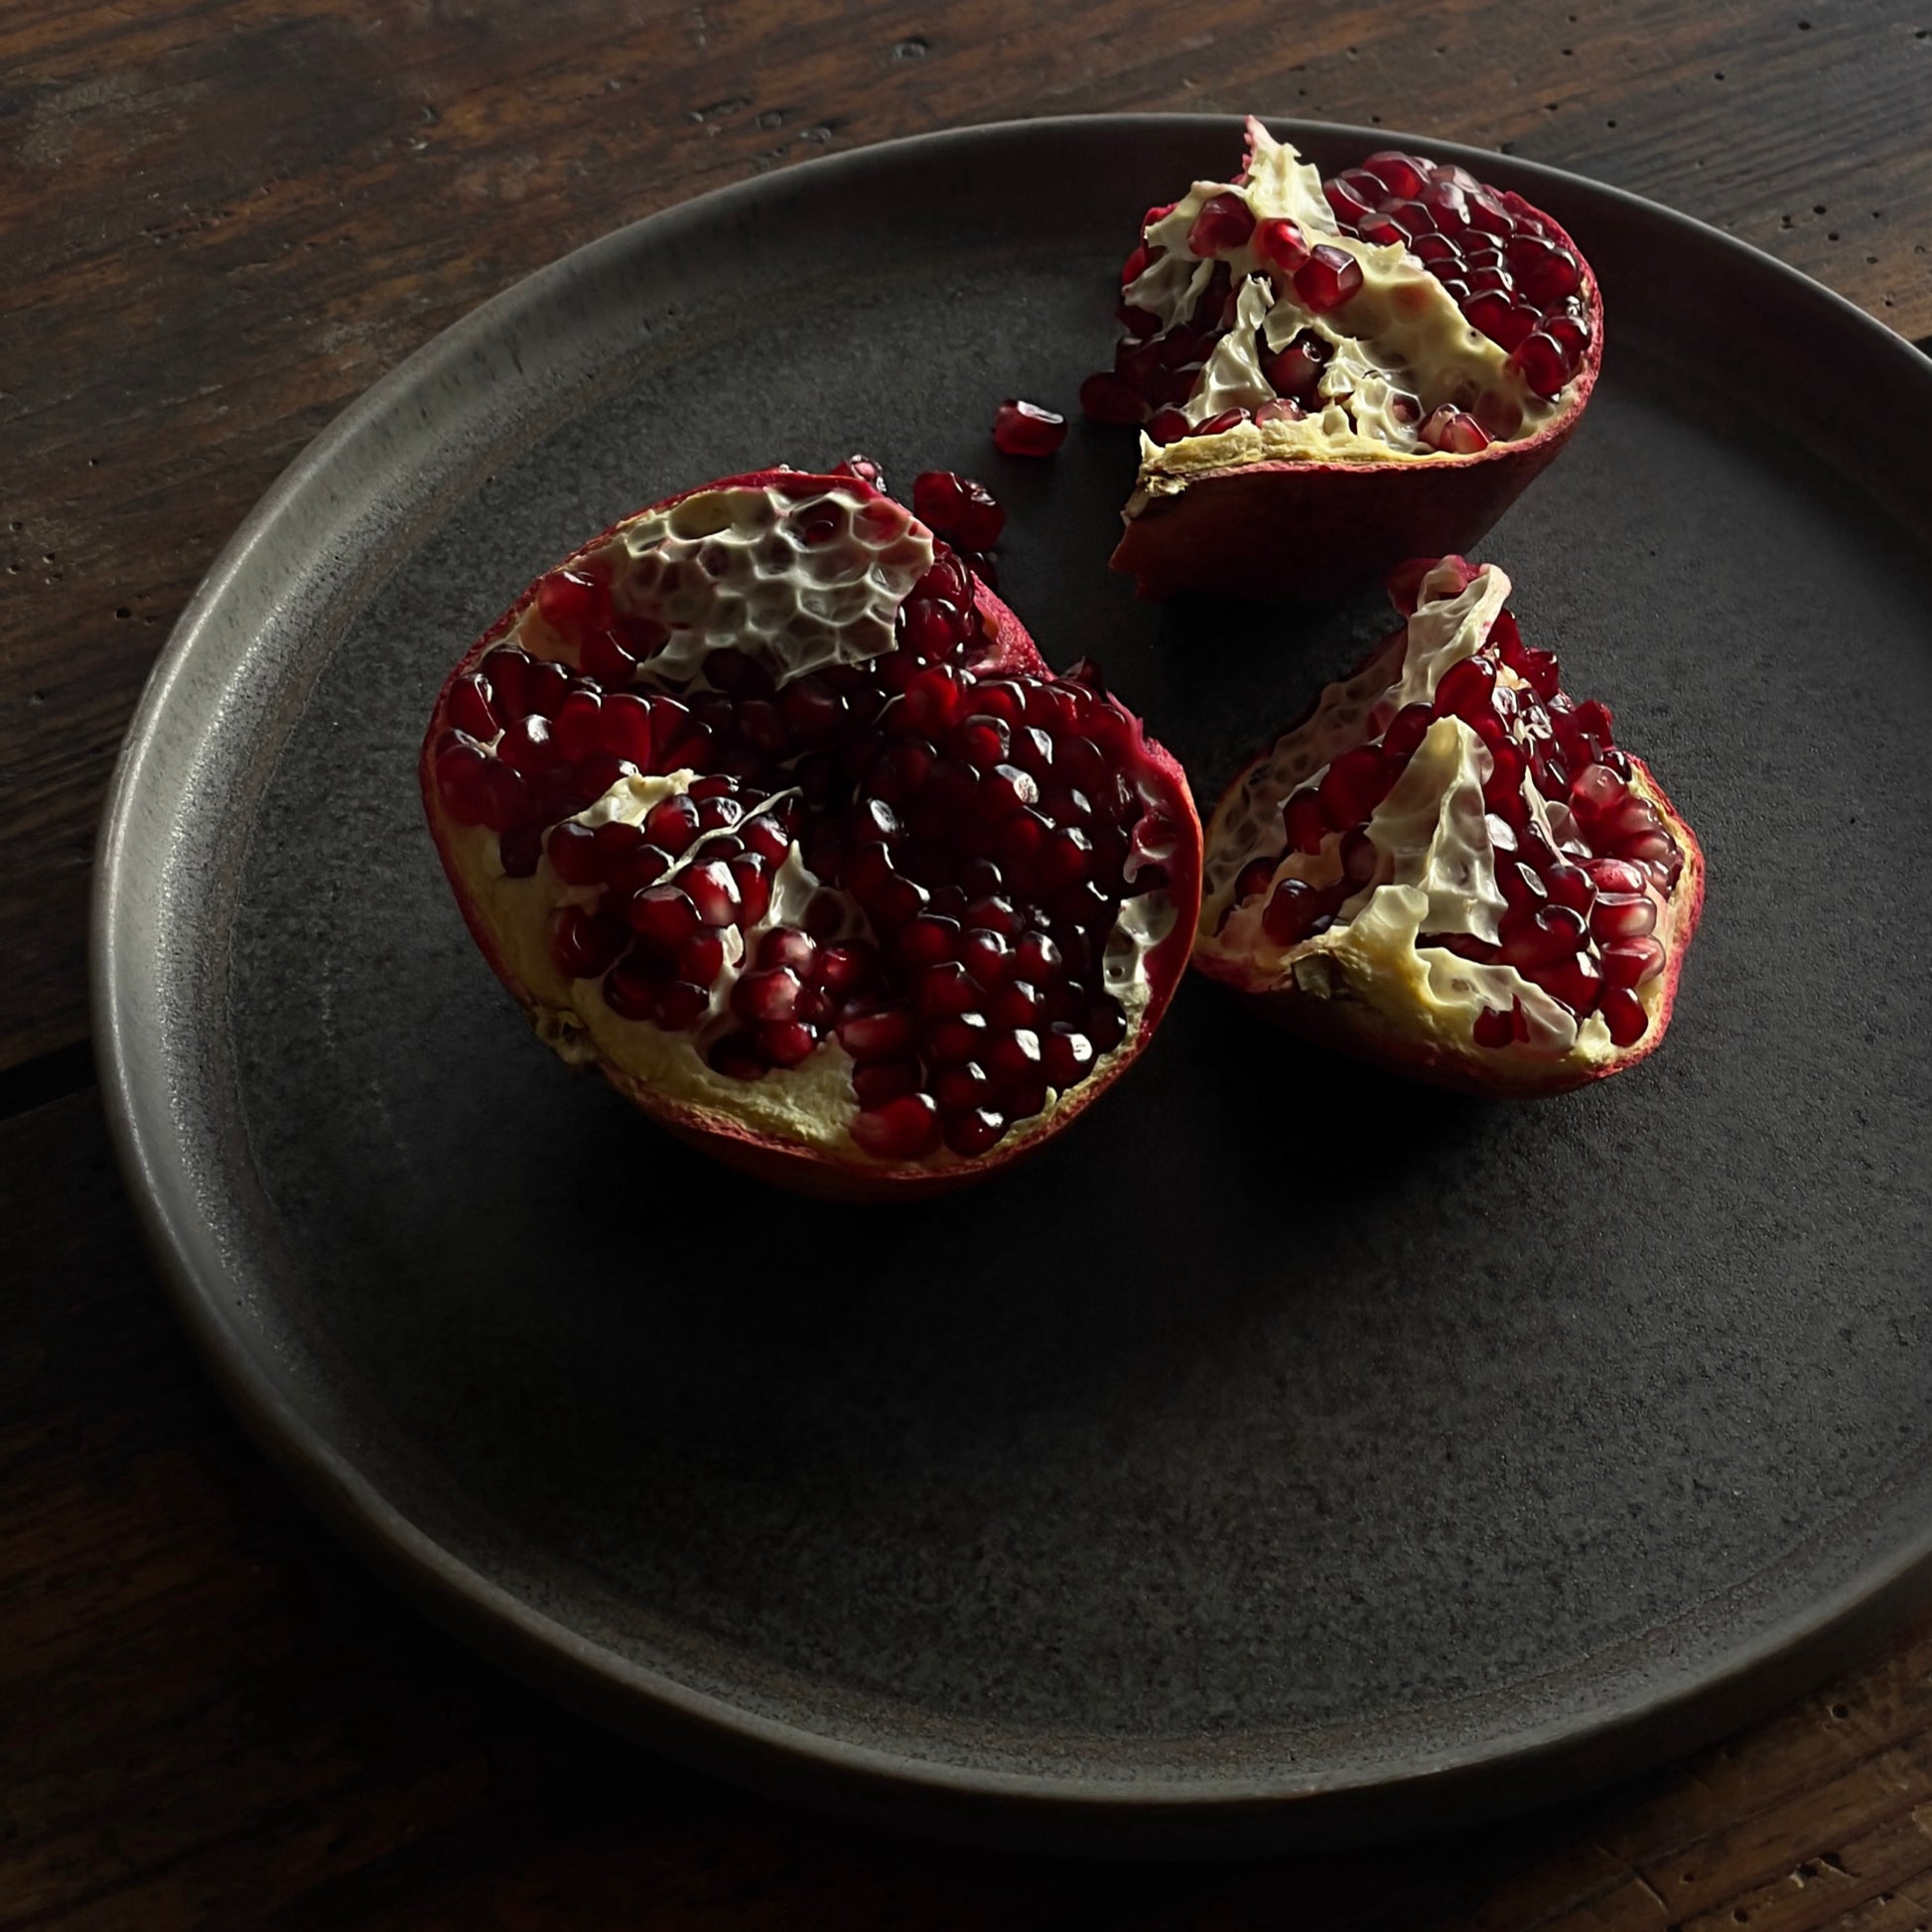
(1285, 1452)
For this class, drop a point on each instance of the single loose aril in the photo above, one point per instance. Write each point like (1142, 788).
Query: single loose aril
(1026, 429)
(1331, 376)
(1451, 868)
(835, 879)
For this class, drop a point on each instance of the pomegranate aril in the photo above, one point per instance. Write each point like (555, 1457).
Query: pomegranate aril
(884, 1080)
(1576, 981)
(1106, 1024)
(1623, 1013)
(976, 1132)
(714, 892)
(737, 1055)
(1354, 785)
(1066, 1056)
(1521, 885)
(927, 941)
(786, 1043)
(1455, 432)
(753, 884)
(1012, 1059)
(962, 1087)
(664, 916)
(629, 993)
(1280, 244)
(958, 508)
(1167, 426)
(1495, 1027)
(1619, 915)
(885, 1035)
(672, 823)
(1570, 886)
(1222, 226)
(767, 995)
(574, 854)
(1304, 821)
(503, 798)
(519, 850)
(957, 1037)
(1541, 363)
(1537, 938)
(1349, 203)
(1328, 279)
(1025, 428)
(461, 764)
(1399, 174)
(1295, 906)
(1632, 962)
(573, 602)
(1466, 690)
(1226, 420)
(583, 944)
(469, 708)
(529, 747)
(1252, 879)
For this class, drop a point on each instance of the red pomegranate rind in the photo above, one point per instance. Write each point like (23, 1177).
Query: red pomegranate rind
(1329, 381)
(1449, 868)
(685, 793)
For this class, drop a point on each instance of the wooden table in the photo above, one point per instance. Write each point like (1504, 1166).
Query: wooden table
(219, 224)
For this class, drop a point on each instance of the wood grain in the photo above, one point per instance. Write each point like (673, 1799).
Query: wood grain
(210, 1717)
(222, 221)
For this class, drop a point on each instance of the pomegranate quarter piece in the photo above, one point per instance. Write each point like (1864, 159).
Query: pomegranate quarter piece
(1449, 868)
(765, 806)
(1332, 375)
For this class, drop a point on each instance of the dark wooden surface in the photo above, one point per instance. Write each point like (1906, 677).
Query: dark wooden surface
(218, 223)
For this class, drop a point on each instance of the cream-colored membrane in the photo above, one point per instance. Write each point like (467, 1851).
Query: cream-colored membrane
(1435, 870)
(724, 571)
(1400, 333)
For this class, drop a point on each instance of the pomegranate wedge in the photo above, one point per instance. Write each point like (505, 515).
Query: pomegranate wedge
(1334, 375)
(1449, 868)
(763, 804)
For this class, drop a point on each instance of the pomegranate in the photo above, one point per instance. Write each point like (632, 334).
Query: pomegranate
(1332, 375)
(1449, 867)
(763, 804)
(1026, 429)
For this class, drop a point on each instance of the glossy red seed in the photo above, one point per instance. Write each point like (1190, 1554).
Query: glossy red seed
(884, 1080)
(786, 1043)
(1295, 906)
(958, 508)
(1305, 822)
(978, 1132)
(1633, 962)
(470, 707)
(672, 823)
(1539, 937)
(1495, 1027)
(1455, 432)
(664, 916)
(1622, 915)
(1541, 363)
(1623, 1013)
(905, 1128)
(1026, 429)
(1354, 785)
(713, 892)
(1466, 690)
(583, 943)
(1280, 244)
(1222, 226)
(1570, 886)
(1328, 279)
(1576, 981)
(768, 996)
(1169, 425)
(574, 854)
(574, 602)
(1066, 1056)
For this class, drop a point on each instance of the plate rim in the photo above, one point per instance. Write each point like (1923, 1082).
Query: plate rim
(1034, 1809)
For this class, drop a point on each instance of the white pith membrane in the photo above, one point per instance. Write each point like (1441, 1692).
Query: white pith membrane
(1400, 334)
(1435, 870)
(727, 570)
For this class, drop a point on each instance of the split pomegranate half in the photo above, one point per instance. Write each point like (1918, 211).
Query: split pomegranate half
(763, 803)
(1449, 868)
(1334, 375)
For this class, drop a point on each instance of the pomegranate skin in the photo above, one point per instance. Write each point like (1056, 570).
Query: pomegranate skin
(1308, 532)
(800, 1167)
(1361, 1033)
(1307, 528)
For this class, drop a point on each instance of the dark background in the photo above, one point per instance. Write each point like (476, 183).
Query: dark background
(217, 225)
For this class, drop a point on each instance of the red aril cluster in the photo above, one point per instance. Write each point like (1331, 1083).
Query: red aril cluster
(1506, 267)
(1509, 269)
(1583, 886)
(972, 834)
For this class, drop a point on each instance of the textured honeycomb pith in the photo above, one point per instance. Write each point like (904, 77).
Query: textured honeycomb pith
(765, 806)
(1451, 865)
